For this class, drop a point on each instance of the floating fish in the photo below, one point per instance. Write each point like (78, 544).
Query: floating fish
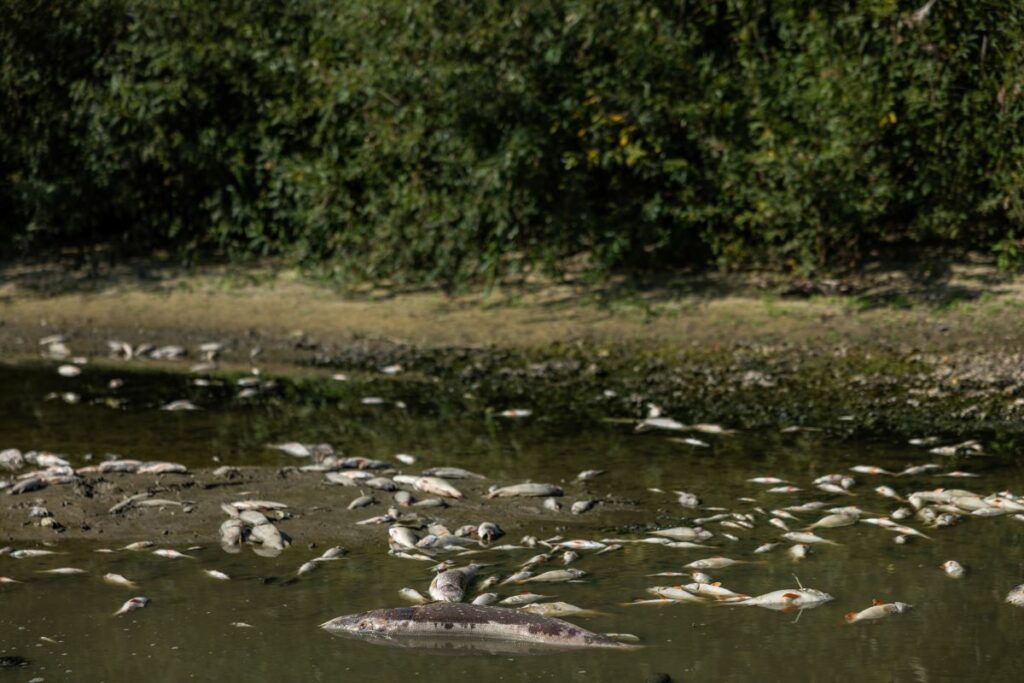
(118, 580)
(132, 605)
(525, 490)
(450, 623)
(953, 569)
(216, 574)
(787, 599)
(878, 610)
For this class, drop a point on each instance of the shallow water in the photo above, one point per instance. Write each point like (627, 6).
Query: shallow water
(959, 630)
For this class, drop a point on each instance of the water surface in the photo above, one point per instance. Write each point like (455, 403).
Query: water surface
(959, 630)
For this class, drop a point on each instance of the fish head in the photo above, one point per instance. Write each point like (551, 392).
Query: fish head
(367, 623)
(814, 595)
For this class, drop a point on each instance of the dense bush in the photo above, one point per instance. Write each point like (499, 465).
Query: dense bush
(439, 141)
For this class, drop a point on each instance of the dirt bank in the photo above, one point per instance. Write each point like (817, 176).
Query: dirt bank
(897, 351)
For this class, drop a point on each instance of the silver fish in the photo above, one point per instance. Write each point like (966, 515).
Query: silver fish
(787, 599)
(878, 610)
(525, 490)
(556, 576)
(118, 580)
(216, 574)
(953, 569)
(132, 605)
(451, 473)
(438, 487)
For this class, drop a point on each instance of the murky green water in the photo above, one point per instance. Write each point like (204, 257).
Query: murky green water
(959, 630)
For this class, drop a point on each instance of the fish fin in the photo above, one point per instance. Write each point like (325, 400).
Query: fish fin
(791, 596)
(716, 584)
(876, 602)
(850, 617)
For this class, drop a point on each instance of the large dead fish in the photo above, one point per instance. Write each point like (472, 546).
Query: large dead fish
(442, 624)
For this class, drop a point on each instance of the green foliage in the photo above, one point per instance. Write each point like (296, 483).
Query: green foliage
(433, 141)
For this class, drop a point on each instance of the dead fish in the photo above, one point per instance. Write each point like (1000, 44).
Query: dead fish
(888, 492)
(766, 547)
(447, 621)
(587, 475)
(162, 468)
(451, 473)
(582, 506)
(778, 523)
(654, 601)
(63, 571)
(69, 371)
(834, 489)
(132, 605)
(835, 521)
(683, 533)
(579, 544)
(438, 487)
(917, 469)
(258, 505)
(450, 585)
(799, 552)
(523, 599)
(7, 579)
(216, 574)
(515, 413)
(307, 567)
(485, 599)
(806, 537)
(965, 448)
(1016, 596)
(690, 441)
(713, 591)
(525, 490)
(712, 563)
(31, 552)
(687, 500)
(158, 503)
(556, 576)
(269, 536)
(333, 553)
(488, 532)
(662, 423)
(767, 480)
(870, 469)
(958, 473)
(675, 594)
(558, 609)
(953, 569)
(293, 448)
(403, 536)
(172, 554)
(118, 580)
(361, 502)
(380, 484)
(878, 610)
(783, 489)
(180, 405)
(138, 545)
(414, 596)
(27, 486)
(787, 599)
